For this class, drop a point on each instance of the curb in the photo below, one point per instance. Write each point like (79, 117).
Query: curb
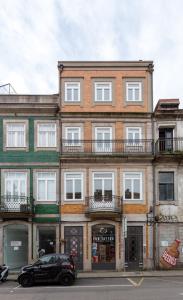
(13, 277)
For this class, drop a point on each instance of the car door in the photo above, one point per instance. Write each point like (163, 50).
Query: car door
(44, 269)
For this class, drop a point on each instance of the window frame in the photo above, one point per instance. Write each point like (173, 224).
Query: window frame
(46, 187)
(102, 178)
(16, 172)
(132, 185)
(167, 183)
(15, 123)
(66, 86)
(67, 139)
(73, 186)
(109, 83)
(103, 128)
(128, 83)
(38, 135)
(133, 143)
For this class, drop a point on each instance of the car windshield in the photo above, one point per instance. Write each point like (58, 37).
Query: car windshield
(45, 260)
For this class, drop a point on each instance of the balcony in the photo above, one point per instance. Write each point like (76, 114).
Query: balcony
(106, 147)
(104, 206)
(16, 206)
(169, 146)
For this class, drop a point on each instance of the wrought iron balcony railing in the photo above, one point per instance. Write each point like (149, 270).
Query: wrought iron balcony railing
(169, 146)
(104, 204)
(106, 147)
(16, 204)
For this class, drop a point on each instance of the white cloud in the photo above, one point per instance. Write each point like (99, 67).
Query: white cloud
(36, 34)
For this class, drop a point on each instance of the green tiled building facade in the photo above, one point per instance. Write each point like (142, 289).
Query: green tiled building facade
(29, 171)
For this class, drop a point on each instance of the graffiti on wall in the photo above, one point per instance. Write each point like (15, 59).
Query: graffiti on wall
(167, 218)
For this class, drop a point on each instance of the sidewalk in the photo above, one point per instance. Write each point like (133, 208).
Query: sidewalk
(115, 274)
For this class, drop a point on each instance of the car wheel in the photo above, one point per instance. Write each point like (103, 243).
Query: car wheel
(66, 279)
(26, 281)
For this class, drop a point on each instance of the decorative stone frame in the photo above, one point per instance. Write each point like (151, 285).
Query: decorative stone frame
(36, 147)
(35, 171)
(3, 171)
(124, 91)
(78, 201)
(142, 201)
(70, 80)
(106, 80)
(15, 121)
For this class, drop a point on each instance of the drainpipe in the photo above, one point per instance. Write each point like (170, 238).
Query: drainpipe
(59, 176)
(154, 214)
(32, 208)
(154, 187)
(151, 69)
(60, 70)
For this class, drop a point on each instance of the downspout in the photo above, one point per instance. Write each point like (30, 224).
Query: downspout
(59, 178)
(32, 210)
(60, 69)
(154, 215)
(154, 176)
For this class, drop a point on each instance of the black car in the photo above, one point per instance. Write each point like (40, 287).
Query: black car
(49, 268)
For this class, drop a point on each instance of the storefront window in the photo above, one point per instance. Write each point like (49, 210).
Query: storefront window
(103, 246)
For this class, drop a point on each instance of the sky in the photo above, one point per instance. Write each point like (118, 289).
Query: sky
(35, 34)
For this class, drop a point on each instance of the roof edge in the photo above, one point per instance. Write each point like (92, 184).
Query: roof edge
(116, 64)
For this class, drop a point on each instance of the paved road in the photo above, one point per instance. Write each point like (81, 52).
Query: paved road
(163, 288)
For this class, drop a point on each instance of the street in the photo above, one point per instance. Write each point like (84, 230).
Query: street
(148, 288)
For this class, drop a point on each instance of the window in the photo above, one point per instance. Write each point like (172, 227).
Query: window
(46, 260)
(46, 186)
(166, 186)
(15, 183)
(166, 139)
(15, 135)
(133, 186)
(72, 91)
(103, 91)
(103, 136)
(133, 135)
(133, 91)
(103, 186)
(73, 136)
(47, 135)
(73, 186)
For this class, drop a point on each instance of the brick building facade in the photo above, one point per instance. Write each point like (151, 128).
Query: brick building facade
(83, 171)
(106, 163)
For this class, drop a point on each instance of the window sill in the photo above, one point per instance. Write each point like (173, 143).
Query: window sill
(46, 148)
(139, 102)
(72, 103)
(133, 200)
(103, 102)
(16, 148)
(75, 201)
(45, 202)
(165, 202)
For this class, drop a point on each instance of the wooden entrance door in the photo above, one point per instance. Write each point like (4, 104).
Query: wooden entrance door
(73, 236)
(134, 248)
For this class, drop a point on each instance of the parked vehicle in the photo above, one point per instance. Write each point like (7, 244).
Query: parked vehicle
(4, 270)
(49, 268)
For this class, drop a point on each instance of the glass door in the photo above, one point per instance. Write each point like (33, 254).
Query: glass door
(103, 247)
(103, 190)
(165, 139)
(103, 139)
(15, 190)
